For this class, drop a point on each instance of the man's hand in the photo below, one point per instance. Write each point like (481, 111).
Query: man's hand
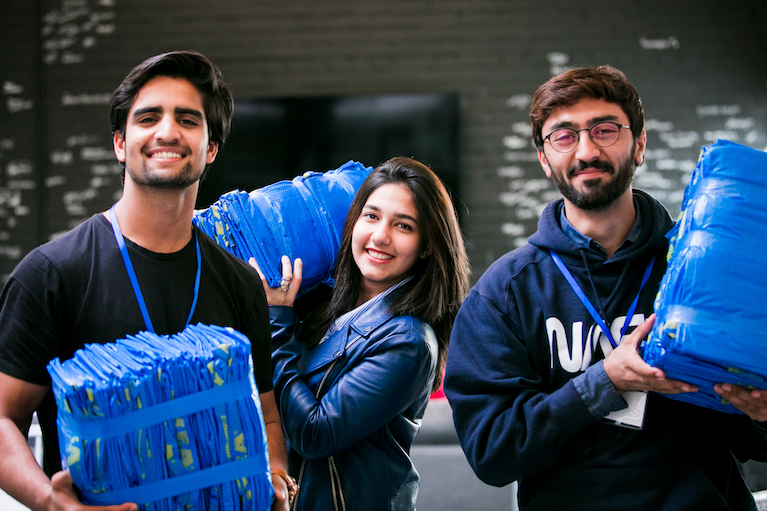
(751, 402)
(280, 502)
(628, 371)
(63, 497)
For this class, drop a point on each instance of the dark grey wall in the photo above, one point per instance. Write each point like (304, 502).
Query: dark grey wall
(699, 65)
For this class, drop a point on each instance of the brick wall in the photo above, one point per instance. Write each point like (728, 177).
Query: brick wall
(698, 65)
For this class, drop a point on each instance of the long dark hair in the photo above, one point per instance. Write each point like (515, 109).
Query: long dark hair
(440, 279)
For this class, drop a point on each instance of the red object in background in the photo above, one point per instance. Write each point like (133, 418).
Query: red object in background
(439, 393)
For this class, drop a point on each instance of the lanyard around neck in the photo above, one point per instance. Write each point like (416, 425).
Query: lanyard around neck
(132, 273)
(587, 303)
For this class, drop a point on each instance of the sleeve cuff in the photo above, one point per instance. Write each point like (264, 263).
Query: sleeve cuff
(598, 392)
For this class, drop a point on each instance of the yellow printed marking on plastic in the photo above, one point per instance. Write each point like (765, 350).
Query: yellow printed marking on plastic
(217, 380)
(159, 373)
(138, 403)
(226, 436)
(219, 229)
(74, 452)
(168, 452)
(90, 394)
(210, 367)
(182, 437)
(186, 457)
(248, 494)
(239, 443)
(127, 394)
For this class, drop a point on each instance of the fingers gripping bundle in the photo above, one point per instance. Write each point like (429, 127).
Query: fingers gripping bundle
(168, 422)
(710, 325)
(302, 218)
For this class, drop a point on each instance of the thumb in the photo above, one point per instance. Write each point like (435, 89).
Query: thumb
(62, 480)
(640, 332)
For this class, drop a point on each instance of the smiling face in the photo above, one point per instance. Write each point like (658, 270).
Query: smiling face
(165, 144)
(591, 177)
(386, 239)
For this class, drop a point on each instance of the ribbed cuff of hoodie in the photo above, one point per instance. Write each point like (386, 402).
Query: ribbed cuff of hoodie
(598, 392)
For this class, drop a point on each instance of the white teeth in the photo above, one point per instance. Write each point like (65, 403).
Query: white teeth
(378, 255)
(166, 154)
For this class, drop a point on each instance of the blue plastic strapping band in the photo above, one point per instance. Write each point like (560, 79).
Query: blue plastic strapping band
(178, 485)
(161, 412)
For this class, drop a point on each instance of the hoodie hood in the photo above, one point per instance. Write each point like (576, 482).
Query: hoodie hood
(656, 222)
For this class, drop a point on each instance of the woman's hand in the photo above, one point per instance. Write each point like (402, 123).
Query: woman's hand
(285, 294)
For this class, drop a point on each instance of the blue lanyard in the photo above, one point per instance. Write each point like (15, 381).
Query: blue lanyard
(132, 273)
(587, 303)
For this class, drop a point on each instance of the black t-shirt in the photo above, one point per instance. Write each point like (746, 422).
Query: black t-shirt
(75, 290)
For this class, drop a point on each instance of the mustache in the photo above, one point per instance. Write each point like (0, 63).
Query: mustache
(594, 164)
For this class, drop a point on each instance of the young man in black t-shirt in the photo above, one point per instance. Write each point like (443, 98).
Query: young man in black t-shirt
(169, 118)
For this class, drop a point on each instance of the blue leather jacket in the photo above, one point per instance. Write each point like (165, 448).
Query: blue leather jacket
(374, 380)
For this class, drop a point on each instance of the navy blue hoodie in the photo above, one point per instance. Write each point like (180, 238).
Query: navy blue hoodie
(528, 390)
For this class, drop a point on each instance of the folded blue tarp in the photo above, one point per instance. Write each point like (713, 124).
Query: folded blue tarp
(710, 314)
(168, 422)
(302, 218)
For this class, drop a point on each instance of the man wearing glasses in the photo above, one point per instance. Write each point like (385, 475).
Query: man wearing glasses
(544, 375)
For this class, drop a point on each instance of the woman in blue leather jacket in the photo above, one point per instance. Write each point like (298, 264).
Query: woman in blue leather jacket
(353, 378)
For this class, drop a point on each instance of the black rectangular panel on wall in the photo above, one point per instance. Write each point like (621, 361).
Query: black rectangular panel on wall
(274, 139)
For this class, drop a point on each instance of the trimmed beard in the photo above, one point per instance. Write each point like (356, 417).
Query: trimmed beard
(186, 178)
(596, 195)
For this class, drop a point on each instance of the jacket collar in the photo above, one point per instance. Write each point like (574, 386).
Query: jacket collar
(349, 328)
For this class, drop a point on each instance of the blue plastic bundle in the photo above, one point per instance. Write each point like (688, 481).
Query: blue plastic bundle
(168, 422)
(710, 318)
(302, 218)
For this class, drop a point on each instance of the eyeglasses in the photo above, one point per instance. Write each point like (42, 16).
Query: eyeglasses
(603, 134)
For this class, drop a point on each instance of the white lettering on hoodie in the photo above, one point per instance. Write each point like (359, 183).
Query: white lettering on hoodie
(579, 357)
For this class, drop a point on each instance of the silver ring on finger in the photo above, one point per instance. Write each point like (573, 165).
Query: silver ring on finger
(285, 283)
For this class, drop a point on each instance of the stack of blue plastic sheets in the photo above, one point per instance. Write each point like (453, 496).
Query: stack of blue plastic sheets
(302, 218)
(168, 422)
(710, 323)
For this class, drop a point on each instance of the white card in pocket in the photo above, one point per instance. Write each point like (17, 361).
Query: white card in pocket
(632, 416)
